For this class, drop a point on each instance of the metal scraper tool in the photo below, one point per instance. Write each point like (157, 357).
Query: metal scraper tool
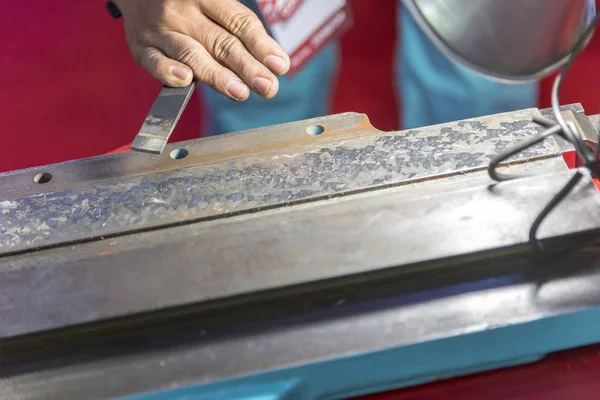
(162, 118)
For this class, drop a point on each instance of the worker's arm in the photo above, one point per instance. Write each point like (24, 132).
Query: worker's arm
(220, 42)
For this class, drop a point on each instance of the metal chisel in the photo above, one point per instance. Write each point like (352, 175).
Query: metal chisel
(162, 118)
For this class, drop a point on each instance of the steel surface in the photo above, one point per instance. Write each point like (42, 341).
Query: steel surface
(162, 119)
(270, 167)
(277, 256)
(346, 333)
(277, 249)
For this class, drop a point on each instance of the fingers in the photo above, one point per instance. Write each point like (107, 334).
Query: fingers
(242, 23)
(220, 42)
(229, 51)
(167, 71)
(204, 67)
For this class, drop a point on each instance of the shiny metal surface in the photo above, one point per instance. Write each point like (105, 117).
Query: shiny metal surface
(120, 215)
(507, 39)
(275, 250)
(240, 173)
(362, 321)
(162, 119)
(595, 121)
(358, 245)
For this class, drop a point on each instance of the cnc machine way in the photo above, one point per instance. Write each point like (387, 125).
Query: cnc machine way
(320, 259)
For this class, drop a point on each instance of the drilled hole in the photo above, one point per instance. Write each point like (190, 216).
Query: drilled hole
(179, 154)
(44, 177)
(315, 130)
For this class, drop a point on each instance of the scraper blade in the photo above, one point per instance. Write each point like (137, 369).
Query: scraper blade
(162, 119)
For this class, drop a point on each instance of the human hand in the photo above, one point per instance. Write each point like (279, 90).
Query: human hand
(220, 42)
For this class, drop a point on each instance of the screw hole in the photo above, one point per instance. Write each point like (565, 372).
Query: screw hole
(179, 154)
(315, 130)
(44, 177)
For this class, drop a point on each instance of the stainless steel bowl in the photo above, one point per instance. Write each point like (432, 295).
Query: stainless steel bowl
(510, 40)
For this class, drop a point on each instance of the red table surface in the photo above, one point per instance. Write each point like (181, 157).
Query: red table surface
(70, 90)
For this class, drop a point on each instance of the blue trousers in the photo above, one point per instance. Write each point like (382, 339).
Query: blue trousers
(433, 89)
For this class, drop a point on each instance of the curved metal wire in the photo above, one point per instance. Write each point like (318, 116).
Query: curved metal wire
(555, 201)
(567, 130)
(552, 129)
(506, 154)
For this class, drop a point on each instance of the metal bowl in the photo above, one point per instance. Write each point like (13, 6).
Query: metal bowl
(510, 40)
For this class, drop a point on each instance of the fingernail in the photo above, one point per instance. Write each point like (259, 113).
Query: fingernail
(238, 89)
(180, 72)
(262, 85)
(276, 64)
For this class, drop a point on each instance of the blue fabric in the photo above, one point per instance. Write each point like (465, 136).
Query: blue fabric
(435, 89)
(307, 94)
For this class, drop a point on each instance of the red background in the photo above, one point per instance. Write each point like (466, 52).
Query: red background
(71, 90)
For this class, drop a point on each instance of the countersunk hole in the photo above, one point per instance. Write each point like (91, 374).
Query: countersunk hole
(179, 154)
(44, 177)
(315, 130)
